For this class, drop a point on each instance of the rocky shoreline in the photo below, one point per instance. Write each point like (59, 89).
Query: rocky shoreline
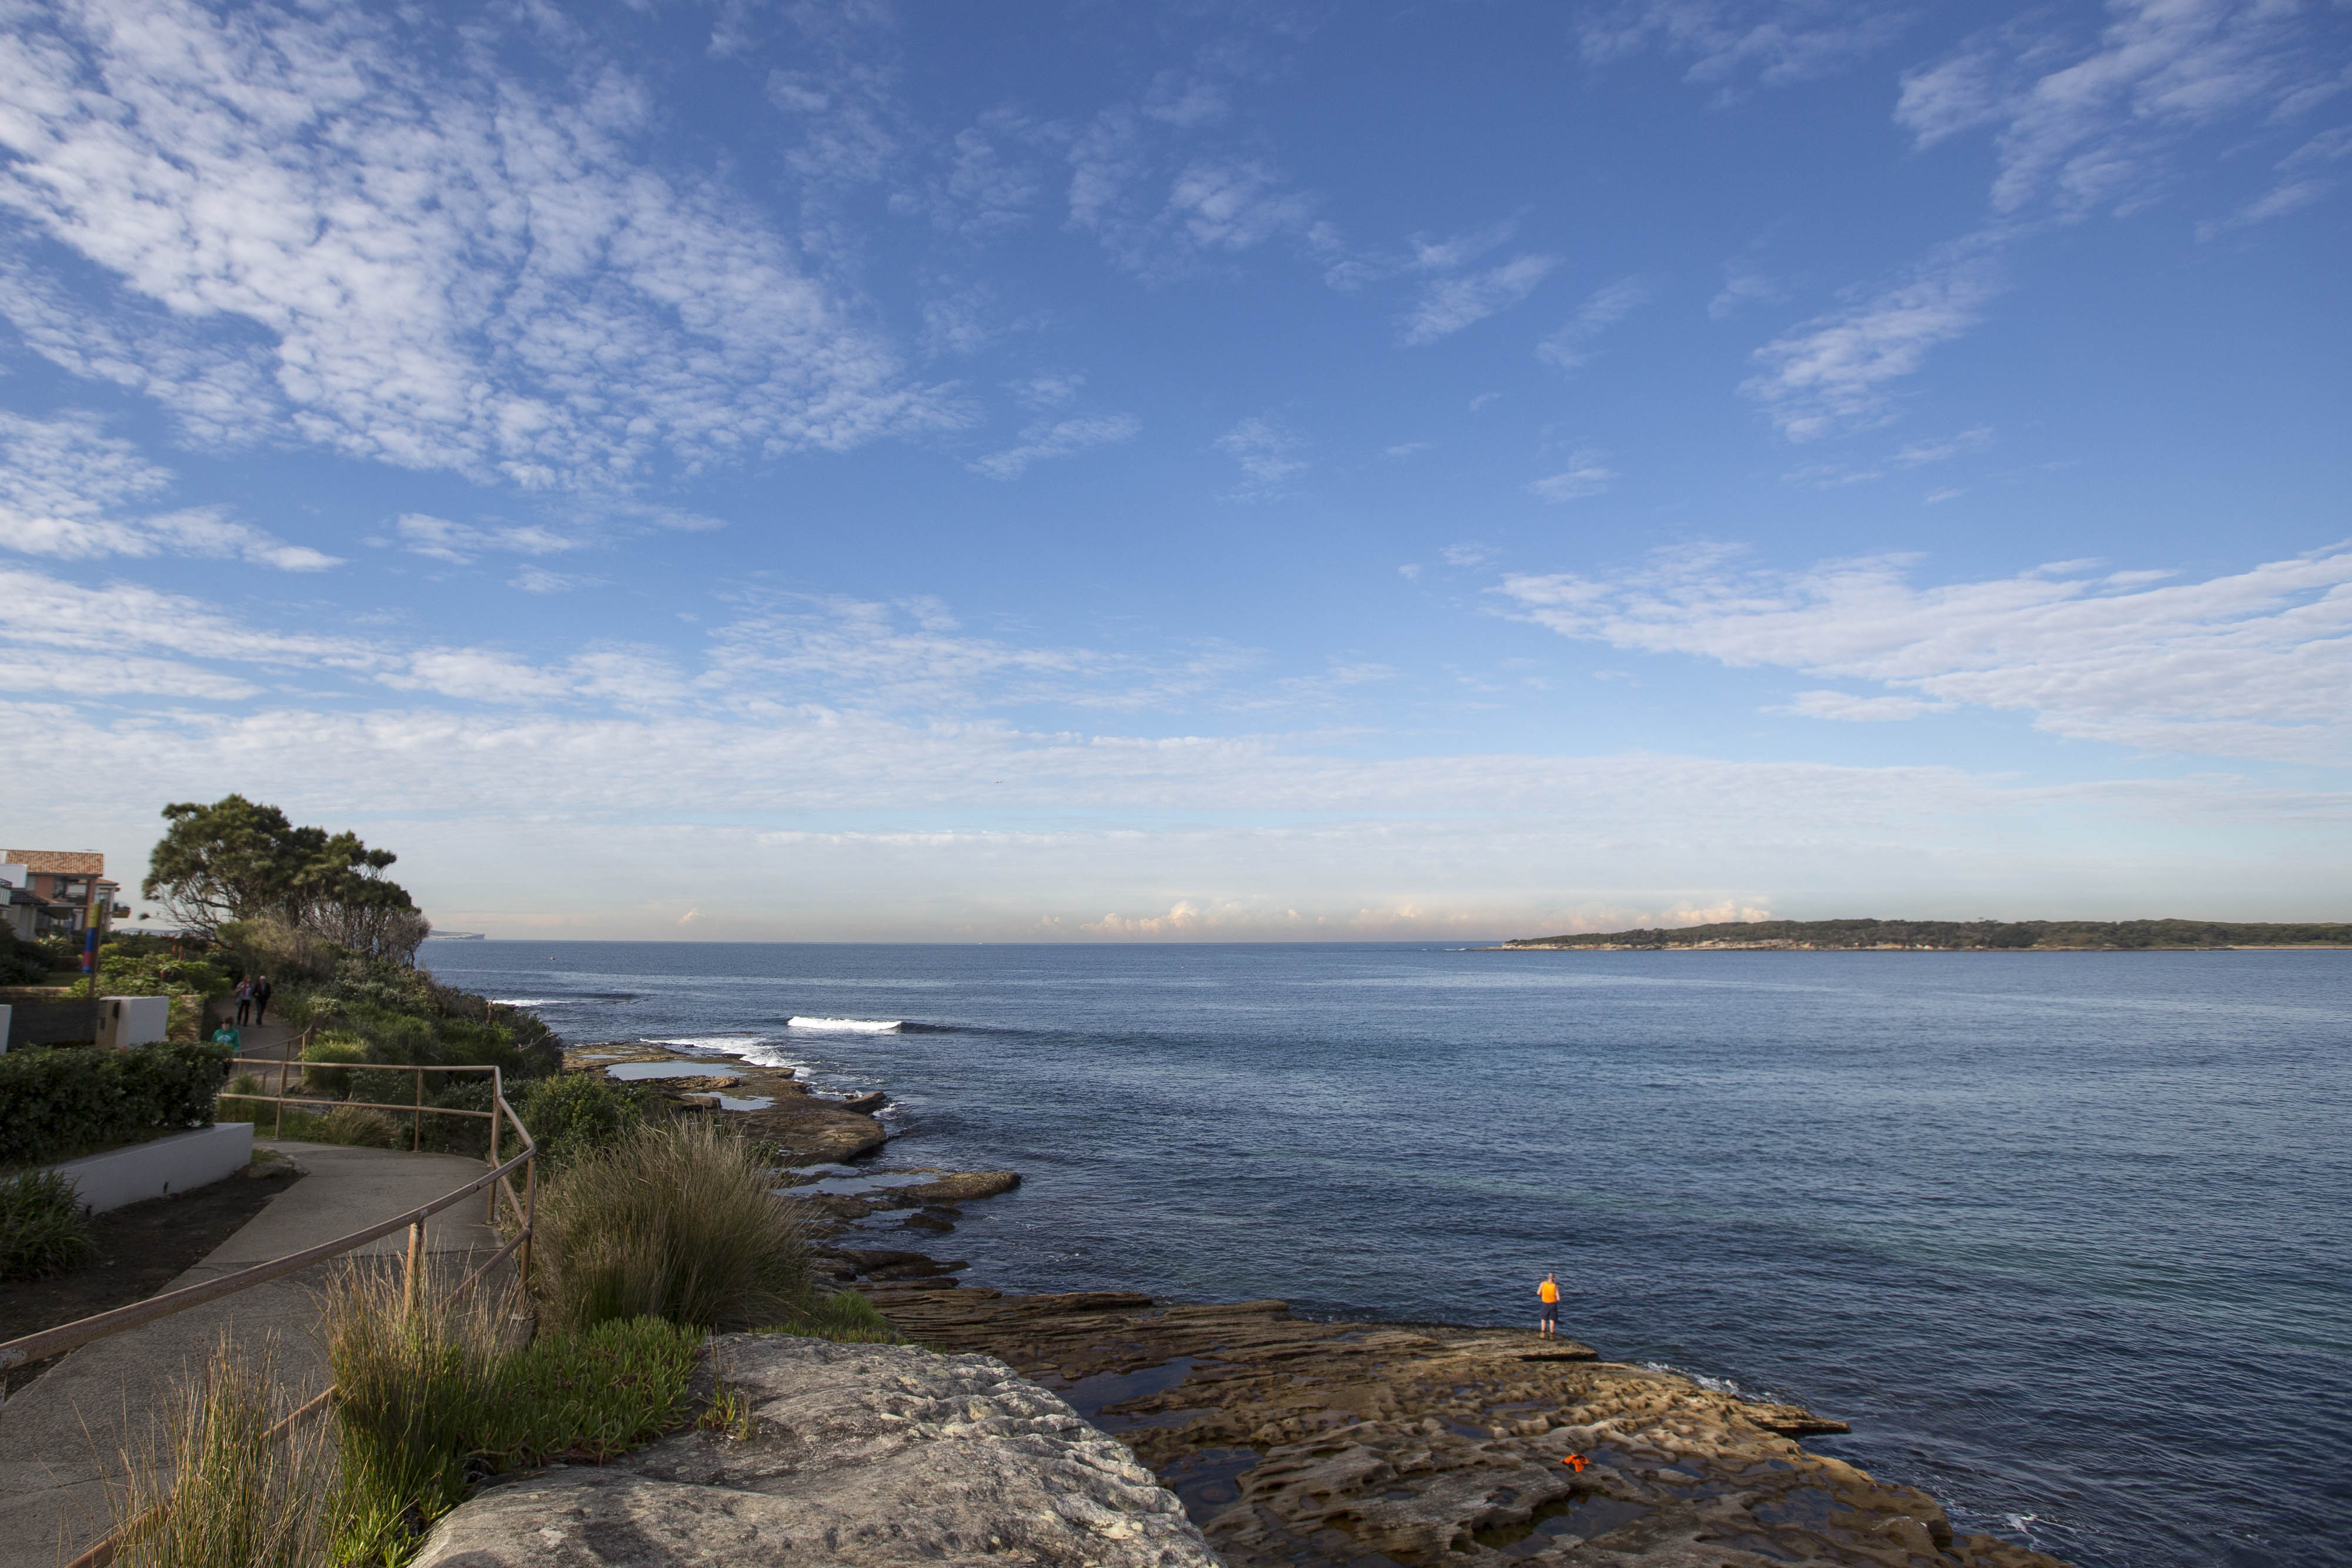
(1299, 1444)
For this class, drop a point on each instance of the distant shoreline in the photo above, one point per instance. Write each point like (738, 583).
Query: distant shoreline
(2168, 935)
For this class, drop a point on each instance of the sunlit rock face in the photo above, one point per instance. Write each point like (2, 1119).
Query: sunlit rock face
(860, 1454)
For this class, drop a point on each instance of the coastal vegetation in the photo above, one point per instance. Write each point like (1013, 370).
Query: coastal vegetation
(1964, 935)
(655, 1225)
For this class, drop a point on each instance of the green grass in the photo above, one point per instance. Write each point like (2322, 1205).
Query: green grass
(677, 1222)
(593, 1395)
(43, 1228)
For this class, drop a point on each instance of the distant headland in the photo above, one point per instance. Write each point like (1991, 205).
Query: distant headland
(1950, 937)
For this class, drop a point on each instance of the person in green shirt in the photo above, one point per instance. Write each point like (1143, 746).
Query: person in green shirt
(226, 1035)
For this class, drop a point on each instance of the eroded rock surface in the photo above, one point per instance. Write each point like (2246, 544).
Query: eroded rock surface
(1375, 1446)
(861, 1455)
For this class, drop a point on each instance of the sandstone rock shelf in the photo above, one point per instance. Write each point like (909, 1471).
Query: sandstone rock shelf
(1317, 1445)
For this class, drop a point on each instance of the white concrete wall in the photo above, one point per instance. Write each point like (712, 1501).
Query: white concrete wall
(6, 1013)
(126, 1021)
(162, 1167)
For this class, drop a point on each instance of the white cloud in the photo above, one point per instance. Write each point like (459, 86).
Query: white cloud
(65, 484)
(1601, 311)
(1468, 555)
(1059, 438)
(1585, 475)
(1267, 452)
(1832, 373)
(346, 228)
(1450, 304)
(1406, 449)
(2257, 664)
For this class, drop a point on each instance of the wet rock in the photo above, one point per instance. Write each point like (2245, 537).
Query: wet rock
(869, 1456)
(805, 1128)
(1315, 1445)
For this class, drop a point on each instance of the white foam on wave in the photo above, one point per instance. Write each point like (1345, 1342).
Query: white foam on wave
(735, 1043)
(531, 1002)
(848, 1026)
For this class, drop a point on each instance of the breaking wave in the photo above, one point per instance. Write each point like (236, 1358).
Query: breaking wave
(848, 1026)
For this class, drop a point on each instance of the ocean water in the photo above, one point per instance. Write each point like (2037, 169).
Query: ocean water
(2067, 1237)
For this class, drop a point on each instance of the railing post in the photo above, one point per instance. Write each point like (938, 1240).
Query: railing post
(416, 1117)
(530, 1217)
(497, 1098)
(415, 1254)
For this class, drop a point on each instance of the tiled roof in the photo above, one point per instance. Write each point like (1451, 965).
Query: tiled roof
(58, 863)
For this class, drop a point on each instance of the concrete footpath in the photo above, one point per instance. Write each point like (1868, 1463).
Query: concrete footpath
(61, 1435)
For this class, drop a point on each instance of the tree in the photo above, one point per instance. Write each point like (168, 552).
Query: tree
(238, 860)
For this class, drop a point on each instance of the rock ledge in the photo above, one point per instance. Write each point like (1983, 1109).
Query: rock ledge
(864, 1455)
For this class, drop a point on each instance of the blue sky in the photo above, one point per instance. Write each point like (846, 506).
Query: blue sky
(1109, 471)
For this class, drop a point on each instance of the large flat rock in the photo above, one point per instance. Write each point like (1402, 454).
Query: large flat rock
(861, 1455)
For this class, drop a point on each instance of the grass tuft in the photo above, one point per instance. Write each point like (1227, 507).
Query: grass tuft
(44, 1229)
(414, 1386)
(676, 1222)
(593, 1396)
(216, 1490)
(845, 1317)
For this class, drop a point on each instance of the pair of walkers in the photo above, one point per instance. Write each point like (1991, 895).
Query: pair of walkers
(253, 999)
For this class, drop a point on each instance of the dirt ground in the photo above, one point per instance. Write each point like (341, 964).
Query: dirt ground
(141, 1248)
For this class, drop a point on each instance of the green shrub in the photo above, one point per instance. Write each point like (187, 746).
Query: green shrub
(216, 1490)
(242, 1109)
(579, 1113)
(23, 963)
(43, 1228)
(360, 1128)
(331, 1046)
(678, 1222)
(64, 1101)
(846, 1316)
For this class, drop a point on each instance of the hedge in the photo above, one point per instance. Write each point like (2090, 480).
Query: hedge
(67, 1100)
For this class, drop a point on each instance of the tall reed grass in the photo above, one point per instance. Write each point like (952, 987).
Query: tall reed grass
(415, 1374)
(214, 1488)
(677, 1221)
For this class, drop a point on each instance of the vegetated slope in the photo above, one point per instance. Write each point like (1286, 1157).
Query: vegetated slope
(2094, 935)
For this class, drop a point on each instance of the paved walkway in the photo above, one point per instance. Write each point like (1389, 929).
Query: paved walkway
(60, 1436)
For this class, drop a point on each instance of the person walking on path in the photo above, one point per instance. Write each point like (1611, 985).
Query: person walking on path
(262, 989)
(245, 1001)
(1547, 1293)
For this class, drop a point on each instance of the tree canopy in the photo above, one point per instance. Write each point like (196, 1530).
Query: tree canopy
(240, 860)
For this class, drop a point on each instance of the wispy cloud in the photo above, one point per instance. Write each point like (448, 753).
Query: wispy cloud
(1267, 452)
(1450, 304)
(71, 491)
(2256, 663)
(1586, 474)
(2079, 126)
(459, 544)
(1058, 438)
(1602, 309)
(1835, 374)
(1779, 42)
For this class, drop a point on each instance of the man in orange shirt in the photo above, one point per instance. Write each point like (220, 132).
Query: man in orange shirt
(1548, 1294)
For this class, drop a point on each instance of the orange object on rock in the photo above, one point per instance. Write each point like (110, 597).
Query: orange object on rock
(1576, 1463)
